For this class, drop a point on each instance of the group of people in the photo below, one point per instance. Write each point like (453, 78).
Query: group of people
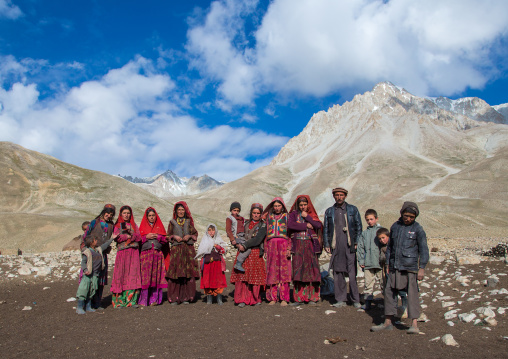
(275, 247)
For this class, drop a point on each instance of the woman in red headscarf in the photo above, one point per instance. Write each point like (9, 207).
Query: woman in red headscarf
(126, 282)
(248, 284)
(305, 229)
(278, 252)
(183, 268)
(153, 236)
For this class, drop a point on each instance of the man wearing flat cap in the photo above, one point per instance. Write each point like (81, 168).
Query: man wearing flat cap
(341, 231)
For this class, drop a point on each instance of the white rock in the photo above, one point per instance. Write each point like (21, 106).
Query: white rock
(451, 314)
(490, 321)
(501, 310)
(27, 308)
(447, 304)
(477, 321)
(328, 312)
(448, 340)
(45, 288)
(436, 259)
(472, 259)
(485, 312)
(450, 323)
(24, 270)
(71, 299)
(434, 339)
(502, 291)
(11, 275)
(467, 317)
(44, 271)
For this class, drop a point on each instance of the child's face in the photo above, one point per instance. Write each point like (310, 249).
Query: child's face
(303, 206)
(383, 238)
(211, 232)
(94, 243)
(408, 218)
(84, 228)
(235, 211)
(277, 207)
(371, 220)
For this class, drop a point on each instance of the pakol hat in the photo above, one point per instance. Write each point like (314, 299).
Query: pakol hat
(340, 189)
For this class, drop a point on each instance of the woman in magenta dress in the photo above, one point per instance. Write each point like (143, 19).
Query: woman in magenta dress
(305, 229)
(248, 284)
(153, 236)
(126, 282)
(277, 252)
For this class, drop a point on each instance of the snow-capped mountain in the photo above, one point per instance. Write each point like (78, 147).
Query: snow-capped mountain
(169, 184)
(388, 146)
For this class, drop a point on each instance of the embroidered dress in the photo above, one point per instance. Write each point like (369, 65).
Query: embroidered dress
(305, 265)
(126, 282)
(183, 268)
(278, 263)
(152, 261)
(248, 284)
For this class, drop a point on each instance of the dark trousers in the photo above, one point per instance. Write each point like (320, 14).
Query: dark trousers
(339, 284)
(413, 301)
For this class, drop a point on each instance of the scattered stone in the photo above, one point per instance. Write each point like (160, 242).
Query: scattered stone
(467, 317)
(423, 318)
(450, 323)
(328, 312)
(43, 271)
(436, 259)
(24, 270)
(485, 312)
(27, 308)
(472, 259)
(451, 314)
(447, 304)
(45, 288)
(490, 321)
(435, 339)
(71, 299)
(492, 282)
(448, 340)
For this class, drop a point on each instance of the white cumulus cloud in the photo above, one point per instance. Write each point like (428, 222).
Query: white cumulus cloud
(9, 11)
(127, 122)
(319, 47)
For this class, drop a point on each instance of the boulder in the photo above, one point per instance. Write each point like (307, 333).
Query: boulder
(73, 245)
(472, 259)
(436, 260)
(24, 270)
(467, 317)
(448, 340)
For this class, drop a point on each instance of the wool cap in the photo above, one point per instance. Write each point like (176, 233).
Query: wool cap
(235, 205)
(410, 207)
(339, 189)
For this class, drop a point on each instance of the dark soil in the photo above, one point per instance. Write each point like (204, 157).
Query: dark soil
(53, 329)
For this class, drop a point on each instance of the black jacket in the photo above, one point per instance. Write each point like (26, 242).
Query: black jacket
(354, 225)
(407, 248)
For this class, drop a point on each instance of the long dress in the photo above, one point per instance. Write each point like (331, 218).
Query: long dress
(126, 282)
(306, 274)
(183, 268)
(278, 263)
(248, 284)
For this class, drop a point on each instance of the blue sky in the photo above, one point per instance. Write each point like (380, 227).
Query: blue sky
(218, 87)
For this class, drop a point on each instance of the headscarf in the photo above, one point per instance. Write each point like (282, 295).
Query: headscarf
(207, 242)
(120, 219)
(310, 207)
(145, 227)
(255, 205)
(269, 208)
(187, 212)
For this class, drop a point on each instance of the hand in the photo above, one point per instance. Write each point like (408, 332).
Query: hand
(264, 256)
(327, 250)
(421, 274)
(177, 238)
(129, 237)
(241, 248)
(86, 273)
(309, 226)
(186, 238)
(362, 266)
(304, 214)
(233, 242)
(115, 236)
(356, 245)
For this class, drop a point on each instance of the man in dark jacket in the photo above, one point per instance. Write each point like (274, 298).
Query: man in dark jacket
(407, 255)
(342, 229)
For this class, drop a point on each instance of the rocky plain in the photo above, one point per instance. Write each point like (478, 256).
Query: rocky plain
(464, 299)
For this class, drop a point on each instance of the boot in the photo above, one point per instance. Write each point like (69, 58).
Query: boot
(89, 306)
(80, 306)
(238, 266)
(219, 299)
(209, 299)
(402, 310)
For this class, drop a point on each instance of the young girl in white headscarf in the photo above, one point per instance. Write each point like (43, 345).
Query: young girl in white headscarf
(213, 266)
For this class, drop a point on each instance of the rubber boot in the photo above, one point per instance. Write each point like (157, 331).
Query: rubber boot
(367, 305)
(80, 306)
(89, 306)
(209, 299)
(219, 299)
(238, 266)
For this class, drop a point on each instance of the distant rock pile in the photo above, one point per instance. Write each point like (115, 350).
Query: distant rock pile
(498, 251)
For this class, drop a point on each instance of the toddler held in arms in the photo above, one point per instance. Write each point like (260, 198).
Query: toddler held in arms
(235, 229)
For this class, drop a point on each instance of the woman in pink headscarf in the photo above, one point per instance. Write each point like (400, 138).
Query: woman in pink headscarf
(277, 252)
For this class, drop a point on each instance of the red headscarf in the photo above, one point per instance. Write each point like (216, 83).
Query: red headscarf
(157, 227)
(269, 208)
(120, 220)
(187, 212)
(310, 209)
